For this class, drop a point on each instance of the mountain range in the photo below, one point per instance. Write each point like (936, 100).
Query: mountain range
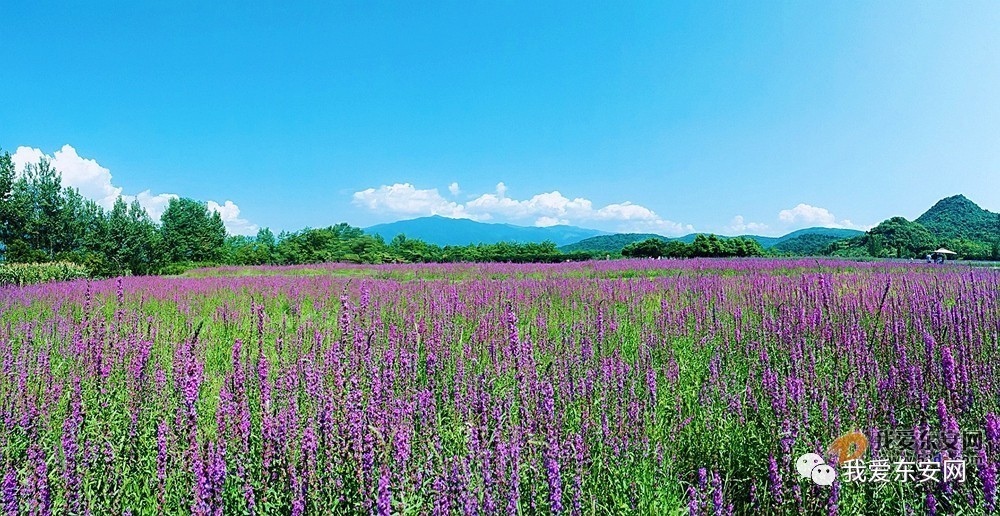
(954, 221)
(616, 242)
(446, 231)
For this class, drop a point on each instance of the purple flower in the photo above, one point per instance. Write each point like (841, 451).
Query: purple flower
(948, 369)
(384, 495)
(833, 503)
(71, 427)
(717, 500)
(8, 492)
(555, 484)
(988, 476)
(210, 476)
(992, 428)
(775, 477)
(694, 503)
(39, 501)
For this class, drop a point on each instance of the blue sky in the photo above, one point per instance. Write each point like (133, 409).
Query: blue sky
(667, 117)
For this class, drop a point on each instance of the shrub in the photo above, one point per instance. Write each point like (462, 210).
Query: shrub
(28, 273)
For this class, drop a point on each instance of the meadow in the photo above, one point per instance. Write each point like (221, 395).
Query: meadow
(629, 386)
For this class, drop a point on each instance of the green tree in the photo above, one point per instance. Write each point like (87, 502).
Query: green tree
(876, 245)
(907, 239)
(191, 232)
(744, 247)
(996, 241)
(675, 249)
(649, 248)
(42, 200)
(135, 244)
(85, 234)
(10, 227)
(32, 212)
(706, 246)
(245, 250)
(264, 246)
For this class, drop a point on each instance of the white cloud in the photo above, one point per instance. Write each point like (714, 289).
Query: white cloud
(86, 175)
(740, 225)
(805, 215)
(403, 198)
(230, 214)
(454, 189)
(154, 204)
(544, 209)
(95, 182)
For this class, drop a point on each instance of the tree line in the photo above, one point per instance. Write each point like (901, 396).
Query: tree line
(703, 246)
(901, 238)
(43, 221)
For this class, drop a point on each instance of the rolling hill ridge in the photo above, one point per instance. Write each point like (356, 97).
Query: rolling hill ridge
(447, 231)
(616, 242)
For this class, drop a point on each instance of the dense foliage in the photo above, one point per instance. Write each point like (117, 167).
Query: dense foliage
(41, 221)
(957, 217)
(703, 246)
(955, 223)
(28, 273)
(192, 233)
(641, 387)
(900, 238)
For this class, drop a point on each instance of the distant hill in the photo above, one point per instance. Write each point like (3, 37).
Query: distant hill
(831, 232)
(768, 242)
(447, 231)
(609, 243)
(954, 222)
(812, 244)
(616, 242)
(958, 217)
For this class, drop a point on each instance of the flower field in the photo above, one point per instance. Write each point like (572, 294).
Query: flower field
(649, 387)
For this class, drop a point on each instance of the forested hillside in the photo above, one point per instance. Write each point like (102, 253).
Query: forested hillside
(955, 223)
(957, 217)
(612, 244)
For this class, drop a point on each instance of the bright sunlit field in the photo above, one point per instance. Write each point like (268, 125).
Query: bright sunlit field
(651, 387)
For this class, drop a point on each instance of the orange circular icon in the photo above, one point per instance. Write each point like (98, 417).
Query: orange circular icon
(848, 447)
